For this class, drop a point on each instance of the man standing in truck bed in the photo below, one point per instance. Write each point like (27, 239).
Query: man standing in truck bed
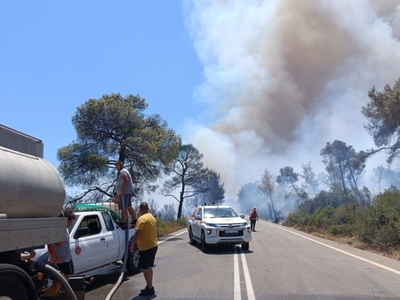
(124, 189)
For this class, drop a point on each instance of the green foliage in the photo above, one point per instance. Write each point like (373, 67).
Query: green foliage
(382, 113)
(164, 228)
(187, 175)
(379, 224)
(337, 221)
(115, 128)
(344, 165)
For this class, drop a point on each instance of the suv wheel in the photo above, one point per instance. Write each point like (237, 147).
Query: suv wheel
(191, 240)
(245, 246)
(204, 245)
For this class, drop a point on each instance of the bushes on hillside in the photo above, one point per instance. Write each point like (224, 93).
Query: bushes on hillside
(376, 224)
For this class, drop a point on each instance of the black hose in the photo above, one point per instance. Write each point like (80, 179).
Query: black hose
(49, 269)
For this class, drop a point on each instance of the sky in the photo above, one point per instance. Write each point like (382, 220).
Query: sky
(254, 85)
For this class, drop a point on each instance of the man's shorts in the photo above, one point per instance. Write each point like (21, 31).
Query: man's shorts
(147, 257)
(125, 202)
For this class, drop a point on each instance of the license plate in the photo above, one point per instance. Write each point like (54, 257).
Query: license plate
(231, 231)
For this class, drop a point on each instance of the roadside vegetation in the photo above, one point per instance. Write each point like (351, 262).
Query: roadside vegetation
(373, 227)
(165, 228)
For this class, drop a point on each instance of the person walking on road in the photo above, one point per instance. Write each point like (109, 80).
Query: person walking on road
(146, 239)
(253, 219)
(124, 188)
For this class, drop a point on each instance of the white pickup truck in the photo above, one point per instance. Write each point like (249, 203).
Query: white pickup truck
(216, 225)
(97, 243)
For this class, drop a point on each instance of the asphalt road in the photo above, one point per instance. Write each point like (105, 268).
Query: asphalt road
(282, 264)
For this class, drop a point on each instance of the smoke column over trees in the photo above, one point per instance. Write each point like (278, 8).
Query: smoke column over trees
(282, 78)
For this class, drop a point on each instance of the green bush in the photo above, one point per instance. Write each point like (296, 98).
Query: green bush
(378, 225)
(164, 228)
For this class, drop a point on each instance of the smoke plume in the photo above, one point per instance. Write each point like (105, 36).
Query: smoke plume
(282, 78)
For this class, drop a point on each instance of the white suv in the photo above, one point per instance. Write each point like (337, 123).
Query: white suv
(218, 224)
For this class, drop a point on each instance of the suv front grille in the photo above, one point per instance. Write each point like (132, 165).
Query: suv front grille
(238, 233)
(230, 230)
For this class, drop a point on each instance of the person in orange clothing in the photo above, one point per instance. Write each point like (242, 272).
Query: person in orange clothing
(253, 219)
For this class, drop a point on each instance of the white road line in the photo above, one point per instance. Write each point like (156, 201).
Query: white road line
(247, 278)
(341, 251)
(179, 233)
(236, 276)
(237, 295)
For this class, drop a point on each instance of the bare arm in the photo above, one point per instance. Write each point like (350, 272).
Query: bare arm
(135, 239)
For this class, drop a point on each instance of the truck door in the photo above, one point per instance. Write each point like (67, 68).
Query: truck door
(197, 224)
(89, 251)
(113, 238)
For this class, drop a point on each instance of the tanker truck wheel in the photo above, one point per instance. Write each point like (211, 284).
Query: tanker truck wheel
(12, 288)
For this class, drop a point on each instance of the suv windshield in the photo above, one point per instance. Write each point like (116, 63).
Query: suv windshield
(217, 212)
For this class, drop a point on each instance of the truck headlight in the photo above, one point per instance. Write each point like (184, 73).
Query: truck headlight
(209, 230)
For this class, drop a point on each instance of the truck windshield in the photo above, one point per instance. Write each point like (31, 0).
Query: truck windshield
(217, 212)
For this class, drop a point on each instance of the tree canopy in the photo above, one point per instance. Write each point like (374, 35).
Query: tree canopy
(115, 128)
(343, 164)
(187, 175)
(382, 113)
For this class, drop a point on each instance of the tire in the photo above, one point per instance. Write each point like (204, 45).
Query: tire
(245, 246)
(16, 282)
(12, 288)
(132, 264)
(204, 246)
(191, 240)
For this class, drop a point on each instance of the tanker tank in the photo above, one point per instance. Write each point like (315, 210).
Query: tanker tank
(30, 187)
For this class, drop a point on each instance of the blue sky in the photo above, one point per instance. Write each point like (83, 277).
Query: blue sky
(58, 54)
(254, 85)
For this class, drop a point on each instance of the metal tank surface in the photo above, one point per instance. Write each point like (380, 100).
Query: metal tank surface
(30, 187)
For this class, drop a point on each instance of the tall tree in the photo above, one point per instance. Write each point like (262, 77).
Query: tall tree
(378, 175)
(187, 175)
(343, 164)
(288, 178)
(310, 179)
(115, 128)
(215, 189)
(267, 186)
(382, 113)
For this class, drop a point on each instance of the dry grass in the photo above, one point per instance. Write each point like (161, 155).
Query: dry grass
(354, 242)
(165, 228)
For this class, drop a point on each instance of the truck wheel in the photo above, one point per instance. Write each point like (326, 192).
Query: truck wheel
(132, 263)
(245, 246)
(12, 288)
(191, 240)
(204, 246)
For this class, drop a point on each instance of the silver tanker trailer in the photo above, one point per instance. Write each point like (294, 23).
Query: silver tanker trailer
(32, 195)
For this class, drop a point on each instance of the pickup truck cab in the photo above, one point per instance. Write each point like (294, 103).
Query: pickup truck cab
(218, 224)
(97, 243)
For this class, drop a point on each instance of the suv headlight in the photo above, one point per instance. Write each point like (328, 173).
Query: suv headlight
(209, 230)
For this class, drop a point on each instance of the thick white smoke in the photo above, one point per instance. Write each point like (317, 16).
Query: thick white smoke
(284, 77)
